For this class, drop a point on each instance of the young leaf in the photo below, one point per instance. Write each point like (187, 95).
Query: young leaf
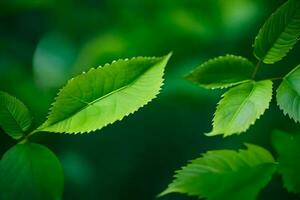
(222, 72)
(30, 171)
(288, 94)
(279, 34)
(15, 118)
(287, 147)
(240, 107)
(104, 95)
(225, 173)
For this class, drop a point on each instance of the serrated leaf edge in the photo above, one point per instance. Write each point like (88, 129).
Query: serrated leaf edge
(285, 113)
(238, 151)
(167, 57)
(26, 109)
(252, 123)
(210, 61)
(258, 36)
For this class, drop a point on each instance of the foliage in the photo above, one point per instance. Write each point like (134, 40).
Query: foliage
(15, 118)
(241, 106)
(30, 171)
(101, 96)
(222, 72)
(279, 34)
(244, 103)
(288, 94)
(76, 35)
(223, 173)
(287, 147)
(88, 102)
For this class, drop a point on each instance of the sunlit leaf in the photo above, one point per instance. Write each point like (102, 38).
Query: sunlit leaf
(279, 34)
(30, 171)
(221, 72)
(288, 149)
(225, 174)
(106, 94)
(240, 107)
(15, 118)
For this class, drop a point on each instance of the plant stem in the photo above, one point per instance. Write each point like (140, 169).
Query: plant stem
(276, 78)
(272, 79)
(26, 137)
(256, 69)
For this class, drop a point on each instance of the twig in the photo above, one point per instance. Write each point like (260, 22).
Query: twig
(256, 69)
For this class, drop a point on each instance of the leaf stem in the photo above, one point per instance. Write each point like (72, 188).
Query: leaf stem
(276, 78)
(256, 69)
(272, 79)
(26, 137)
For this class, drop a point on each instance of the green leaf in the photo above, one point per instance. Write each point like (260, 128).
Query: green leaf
(288, 149)
(222, 72)
(240, 107)
(30, 171)
(104, 95)
(225, 174)
(288, 94)
(279, 34)
(15, 118)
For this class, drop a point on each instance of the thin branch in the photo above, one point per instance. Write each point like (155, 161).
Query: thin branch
(26, 137)
(272, 79)
(256, 69)
(276, 78)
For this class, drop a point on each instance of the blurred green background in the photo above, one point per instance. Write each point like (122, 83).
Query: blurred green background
(45, 42)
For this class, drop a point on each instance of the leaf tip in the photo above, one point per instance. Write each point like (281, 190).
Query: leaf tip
(212, 133)
(168, 56)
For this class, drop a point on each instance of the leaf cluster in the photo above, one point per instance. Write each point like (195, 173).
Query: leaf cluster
(88, 102)
(248, 98)
(235, 175)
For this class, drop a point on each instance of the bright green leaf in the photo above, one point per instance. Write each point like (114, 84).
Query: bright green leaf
(288, 94)
(15, 118)
(104, 95)
(221, 72)
(288, 149)
(279, 34)
(240, 107)
(225, 174)
(30, 171)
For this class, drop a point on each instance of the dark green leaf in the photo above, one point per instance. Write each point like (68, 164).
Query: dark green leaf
(30, 171)
(225, 174)
(279, 34)
(288, 149)
(15, 118)
(221, 72)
